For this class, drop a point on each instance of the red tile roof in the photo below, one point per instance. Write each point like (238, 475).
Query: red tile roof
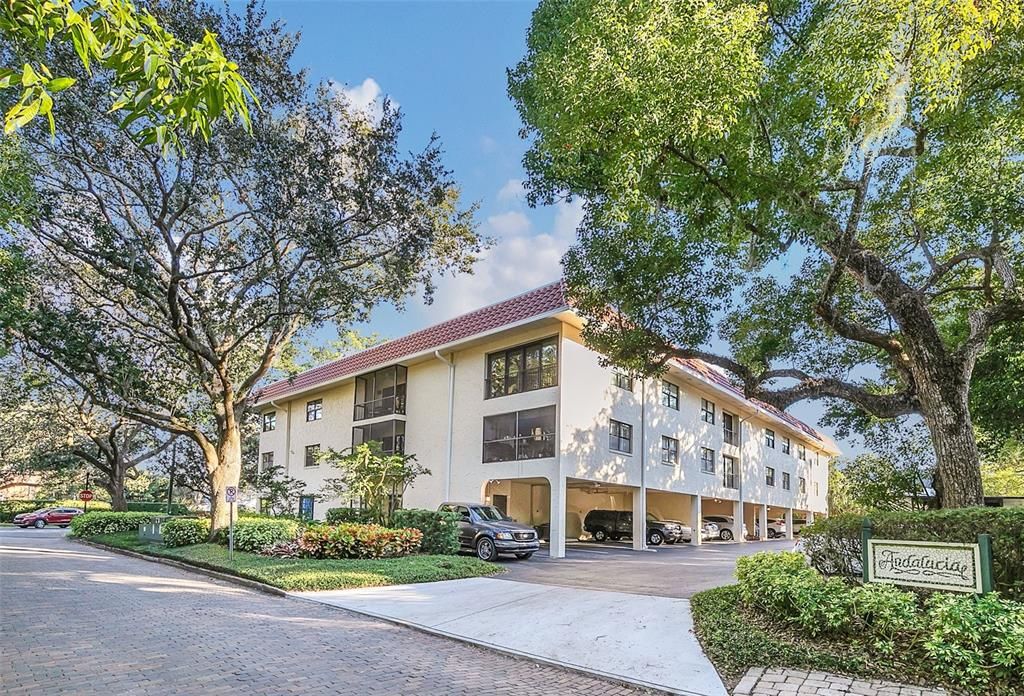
(544, 300)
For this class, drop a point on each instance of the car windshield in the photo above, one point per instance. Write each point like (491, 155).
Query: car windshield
(489, 513)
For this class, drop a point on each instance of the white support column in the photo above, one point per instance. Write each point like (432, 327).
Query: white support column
(696, 520)
(737, 516)
(639, 519)
(789, 523)
(762, 518)
(556, 544)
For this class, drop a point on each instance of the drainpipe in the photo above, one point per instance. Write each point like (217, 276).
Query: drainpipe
(451, 423)
(287, 436)
(643, 465)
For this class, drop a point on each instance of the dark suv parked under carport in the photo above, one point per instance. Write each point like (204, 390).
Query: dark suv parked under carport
(615, 524)
(486, 531)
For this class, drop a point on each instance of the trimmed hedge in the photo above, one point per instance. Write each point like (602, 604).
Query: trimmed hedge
(185, 531)
(359, 541)
(833, 544)
(440, 529)
(256, 533)
(344, 515)
(153, 506)
(972, 643)
(106, 522)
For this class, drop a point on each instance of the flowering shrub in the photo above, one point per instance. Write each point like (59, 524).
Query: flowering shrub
(185, 531)
(359, 541)
(283, 549)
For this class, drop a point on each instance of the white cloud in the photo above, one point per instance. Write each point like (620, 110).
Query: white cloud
(512, 192)
(488, 144)
(367, 97)
(520, 260)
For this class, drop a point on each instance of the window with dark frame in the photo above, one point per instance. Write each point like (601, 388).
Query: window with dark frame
(380, 393)
(707, 460)
(266, 461)
(314, 410)
(522, 369)
(622, 381)
(620, 437)
(729, 434)
(312, 456)
(707, 411)
(786, 445)
(769, 476)
(803, 485)
(669, 395)
(729, 479)
(390, 434)
(769, 438)
(519, 435)
(785, 480)
(801, 452)
(669, 450)
(269, 421)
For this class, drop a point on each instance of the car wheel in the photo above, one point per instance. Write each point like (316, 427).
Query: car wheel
(485, 550)
(655, 538)
(524, 556)
(600, 535)
(772, 534)
(725, 535)
(39, 524)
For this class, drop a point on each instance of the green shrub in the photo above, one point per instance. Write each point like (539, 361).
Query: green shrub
(106, 522)
(978, 642)
(153, 506)
(185, 531)
(359, 541)
(255, 533)
(440, 529)
(344, 515)
(833, 544)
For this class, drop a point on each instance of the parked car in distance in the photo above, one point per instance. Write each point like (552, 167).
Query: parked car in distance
(60, 517)
(617, 524)
(484, 530)
(708, 530)
(776, 529)
(726, 526)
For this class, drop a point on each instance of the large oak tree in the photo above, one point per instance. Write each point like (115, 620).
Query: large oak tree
(836, 187)
(165, 285)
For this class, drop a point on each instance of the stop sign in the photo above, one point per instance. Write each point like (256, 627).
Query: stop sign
(85, 495)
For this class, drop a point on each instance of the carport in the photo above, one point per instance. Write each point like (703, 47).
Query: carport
(582, 496)
(526, 500)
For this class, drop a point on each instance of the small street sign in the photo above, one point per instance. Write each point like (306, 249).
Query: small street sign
(85, 496)
(230, 493)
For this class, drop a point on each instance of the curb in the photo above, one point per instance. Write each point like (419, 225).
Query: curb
(216, 575)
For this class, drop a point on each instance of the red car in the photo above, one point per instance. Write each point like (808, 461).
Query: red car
(42, 517)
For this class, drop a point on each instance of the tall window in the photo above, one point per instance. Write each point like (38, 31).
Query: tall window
(266, 461)
(269, 421)
(801, 452)
(707, 411)
(729, 433)
(528, 434)
(803, 485)
(785, 480)
(314, 410)
(622, 381)
(380, 393)
(769, 476)
(669, 395)
(707, 460)
(729, 479)
(669, 450)
(312, 455)
(521, 369)
(390, 434)
(786, 445)
(620, 437)
(769, 438)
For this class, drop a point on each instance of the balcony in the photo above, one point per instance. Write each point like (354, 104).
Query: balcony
(380, 393)
(384, 406)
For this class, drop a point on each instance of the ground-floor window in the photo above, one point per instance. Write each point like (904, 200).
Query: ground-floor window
(306, 507)
(528, 434)
(729, 479)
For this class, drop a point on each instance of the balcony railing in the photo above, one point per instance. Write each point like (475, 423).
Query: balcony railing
(385, 406)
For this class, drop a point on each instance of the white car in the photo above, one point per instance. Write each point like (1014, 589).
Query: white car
(776, 529)
(726, 526)
(685, 531)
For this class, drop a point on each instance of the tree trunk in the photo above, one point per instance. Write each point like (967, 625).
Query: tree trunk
(225, 471)
(958, 468)
(115, 487)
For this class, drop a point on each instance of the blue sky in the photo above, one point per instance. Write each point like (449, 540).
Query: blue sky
(444, 64)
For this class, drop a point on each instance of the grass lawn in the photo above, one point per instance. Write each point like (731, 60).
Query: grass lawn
(298, 574)
(735, 640)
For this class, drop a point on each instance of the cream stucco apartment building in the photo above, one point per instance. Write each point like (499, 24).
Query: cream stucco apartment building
(506, 405)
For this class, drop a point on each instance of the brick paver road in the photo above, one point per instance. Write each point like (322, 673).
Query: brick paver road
(83, 621)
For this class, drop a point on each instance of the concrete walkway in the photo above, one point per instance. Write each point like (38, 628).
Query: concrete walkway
(639, 639)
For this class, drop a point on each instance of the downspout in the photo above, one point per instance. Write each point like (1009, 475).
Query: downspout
(643, 463)
(451, 423)
(287, 437)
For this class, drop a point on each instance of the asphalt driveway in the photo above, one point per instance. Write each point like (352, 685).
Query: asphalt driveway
(678, 571)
